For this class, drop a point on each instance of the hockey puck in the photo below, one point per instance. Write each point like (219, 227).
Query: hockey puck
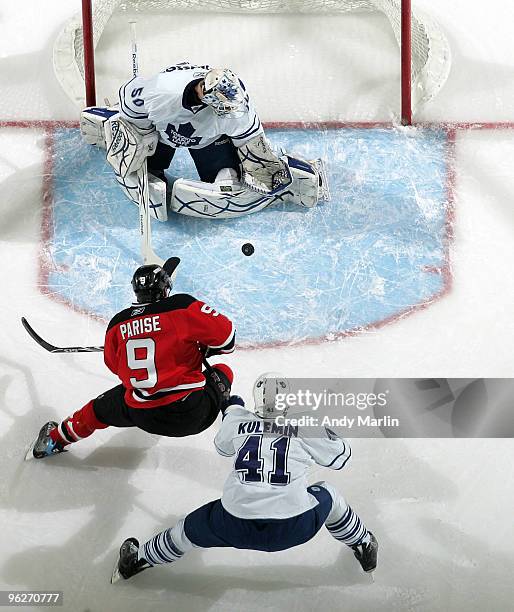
(248, 249)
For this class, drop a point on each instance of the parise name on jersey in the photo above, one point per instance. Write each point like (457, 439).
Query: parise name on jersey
(140, 326)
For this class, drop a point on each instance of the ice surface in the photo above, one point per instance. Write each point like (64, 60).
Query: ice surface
(442, 510)
(377, 250)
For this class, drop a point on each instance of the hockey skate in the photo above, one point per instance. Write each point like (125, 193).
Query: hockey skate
(366, 554)
(44, 446)
(128, 564)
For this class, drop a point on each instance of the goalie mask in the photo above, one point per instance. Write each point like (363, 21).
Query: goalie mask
(269, 393)
(224, 93)
(151, 284)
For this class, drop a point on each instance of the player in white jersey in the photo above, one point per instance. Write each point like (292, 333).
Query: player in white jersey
(208, 111)
(266, 504)
(176, 103)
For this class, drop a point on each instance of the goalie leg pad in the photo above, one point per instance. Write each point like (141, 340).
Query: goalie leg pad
(228, 198)
(308, 182)
(156, 190)
(225, 199)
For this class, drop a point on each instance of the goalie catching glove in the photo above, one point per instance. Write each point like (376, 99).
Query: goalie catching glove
(303, 182)
(262, 170)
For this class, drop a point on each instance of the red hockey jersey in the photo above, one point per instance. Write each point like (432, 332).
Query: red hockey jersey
(154, 348)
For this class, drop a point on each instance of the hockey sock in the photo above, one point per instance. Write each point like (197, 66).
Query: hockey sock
(349, 529)
(78, 426)
(342, 522)
(167, 546)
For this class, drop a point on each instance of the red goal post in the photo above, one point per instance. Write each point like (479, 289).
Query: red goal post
(424, 50)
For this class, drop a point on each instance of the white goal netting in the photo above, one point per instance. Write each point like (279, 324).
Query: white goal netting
(312, 18)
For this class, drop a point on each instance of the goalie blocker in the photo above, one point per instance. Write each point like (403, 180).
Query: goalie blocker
(127, 147)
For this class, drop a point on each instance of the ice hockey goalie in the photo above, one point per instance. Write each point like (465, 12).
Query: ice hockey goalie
(208, 111)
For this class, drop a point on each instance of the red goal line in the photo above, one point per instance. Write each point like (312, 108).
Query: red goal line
(51, 124)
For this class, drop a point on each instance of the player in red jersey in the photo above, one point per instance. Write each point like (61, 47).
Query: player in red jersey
(156, 348)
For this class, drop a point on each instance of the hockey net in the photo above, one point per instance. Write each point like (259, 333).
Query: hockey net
(428, 54)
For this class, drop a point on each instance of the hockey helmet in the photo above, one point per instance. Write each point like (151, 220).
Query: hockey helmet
(269, 393)
(151, 284)
(224, 92)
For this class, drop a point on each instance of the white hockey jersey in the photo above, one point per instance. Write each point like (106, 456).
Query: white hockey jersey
(167, 101)
(269, 476)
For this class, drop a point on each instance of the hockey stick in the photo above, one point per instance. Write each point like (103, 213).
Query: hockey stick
(145, 227)
(58, 349)
(51, 348)
(170, 266)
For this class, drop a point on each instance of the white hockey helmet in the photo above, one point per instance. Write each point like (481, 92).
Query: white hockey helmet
(224, 93)
(265, 391)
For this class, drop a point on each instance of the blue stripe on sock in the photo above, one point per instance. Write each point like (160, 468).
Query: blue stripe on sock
(343, 526)
(161, 549)
(348, 529)
(340, 522)
(171, 544)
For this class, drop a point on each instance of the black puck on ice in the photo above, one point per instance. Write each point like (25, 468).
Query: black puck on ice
(247, 249)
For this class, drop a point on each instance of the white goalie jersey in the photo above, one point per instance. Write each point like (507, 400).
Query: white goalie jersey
(167, 109)
(168, 102)
(269, 476)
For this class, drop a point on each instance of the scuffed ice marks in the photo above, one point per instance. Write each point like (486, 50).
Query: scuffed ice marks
(366, 256)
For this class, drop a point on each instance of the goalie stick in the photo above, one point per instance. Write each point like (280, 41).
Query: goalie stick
(145, 227)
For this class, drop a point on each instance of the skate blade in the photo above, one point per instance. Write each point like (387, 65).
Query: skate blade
(116, 576)
(29, 455)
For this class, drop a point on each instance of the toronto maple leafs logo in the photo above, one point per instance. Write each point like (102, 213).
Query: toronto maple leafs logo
(228, 88)
(183, 135)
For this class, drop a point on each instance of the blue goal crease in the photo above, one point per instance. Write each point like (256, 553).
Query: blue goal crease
(375, 250)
